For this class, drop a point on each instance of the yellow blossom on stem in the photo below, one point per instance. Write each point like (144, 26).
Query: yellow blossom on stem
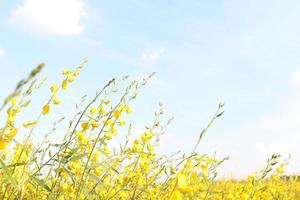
(28, 124)
(117, 113)
(101, 110)
(46, 109)
(122, 122)
(108, 135)
(3, 144)
(56, 101)
(106, 102)
(64, 84)
(280, 169)
(85, 126)
(95, 124)
(128, 109)
(54, 88)
(93, 110)
(106, 150)
(181, 181)
(13, 132)
(71, 78)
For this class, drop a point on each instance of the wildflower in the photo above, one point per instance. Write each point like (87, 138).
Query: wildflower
(280, 169)
(106, 150)
(85, 126)
(64, 186)
(95, 124)
(3, 144)
(54, 88)
(56, 101)
(101, 110)
(76, 73)
(66, 72)
(12, 133)
(95, 156)
(106, 102)
(181, 181)
(149, 147)
(64, 84)
(46, 109)
(82, 139)
(97, 171)
(146, 137)
(71, 78)
(13, 101)
(122, 122)
(136, 146)
(28, 124)
(108, 135)
(176, 195)
(128, 109)
(194, 175)
(117, 114)
(93, 110)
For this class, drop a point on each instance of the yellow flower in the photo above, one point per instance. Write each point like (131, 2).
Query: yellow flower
(56, 101)
(275, 177)
(108, 135)
(80, 134)
(66, 72)
(54, 88)
(146, 137)
(28, 124)
(136, 142)
(12, 133)
(93, 110)
(97, 171)
(128, 109)
(194, 175)
(117, 113)
(280, 169)
(95, 124)
(101, 110)
(76, 73)
(85, 126)
(176, 195)
(71, 78)
(106, 150)
(46, 109)
(3, 144)
(121, 123)
(149, 147)
(106, 102)
(64, 186)
(13, 101)
(181, 181)
(82, 139)
(64, 84)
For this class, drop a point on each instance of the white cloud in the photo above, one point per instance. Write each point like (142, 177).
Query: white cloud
(153, 56)
(54, 17)
(2, 52)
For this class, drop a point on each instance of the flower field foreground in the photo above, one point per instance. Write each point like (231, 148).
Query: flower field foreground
(85, 166)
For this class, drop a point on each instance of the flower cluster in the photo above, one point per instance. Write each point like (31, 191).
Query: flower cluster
(86, 165)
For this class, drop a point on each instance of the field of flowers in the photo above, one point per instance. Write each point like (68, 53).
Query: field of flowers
(84, 166)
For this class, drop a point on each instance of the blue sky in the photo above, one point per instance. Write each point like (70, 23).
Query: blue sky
(244, 53)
